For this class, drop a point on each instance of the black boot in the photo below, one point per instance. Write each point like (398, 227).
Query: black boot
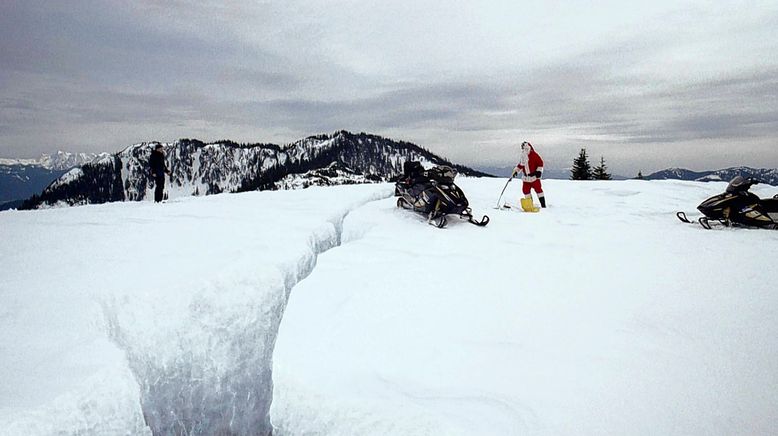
(542, 201)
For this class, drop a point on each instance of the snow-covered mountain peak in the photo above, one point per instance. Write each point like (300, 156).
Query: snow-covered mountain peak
(60, 160)
(142, 145)
(765, 175)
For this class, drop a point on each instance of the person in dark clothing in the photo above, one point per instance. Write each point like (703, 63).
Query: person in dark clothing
(158, 171)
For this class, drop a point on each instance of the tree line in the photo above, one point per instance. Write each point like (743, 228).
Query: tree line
(582, 169)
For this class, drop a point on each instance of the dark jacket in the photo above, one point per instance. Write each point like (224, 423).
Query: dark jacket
(157, 164)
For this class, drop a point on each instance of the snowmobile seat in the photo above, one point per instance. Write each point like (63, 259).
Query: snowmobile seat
(412, 169)
(413, 174)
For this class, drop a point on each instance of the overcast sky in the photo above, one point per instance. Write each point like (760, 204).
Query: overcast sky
(648, 86)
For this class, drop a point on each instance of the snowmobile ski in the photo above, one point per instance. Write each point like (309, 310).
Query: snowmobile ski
(468, 214)
(705, 222)
(682, 216)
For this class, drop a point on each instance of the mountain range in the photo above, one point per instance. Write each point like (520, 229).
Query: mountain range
(764, 175)
(505, 171)
(22, 178)
(200, 168)
(59, 161)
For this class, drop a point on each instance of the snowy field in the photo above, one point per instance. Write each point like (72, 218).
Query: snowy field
(602, 314)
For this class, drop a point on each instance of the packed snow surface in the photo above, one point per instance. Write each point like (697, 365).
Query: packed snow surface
(602, 314)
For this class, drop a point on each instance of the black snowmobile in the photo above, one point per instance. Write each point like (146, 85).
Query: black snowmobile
(738, 207)
(433, 194)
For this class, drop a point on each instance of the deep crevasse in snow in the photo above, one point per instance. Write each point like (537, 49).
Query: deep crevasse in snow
(197, 330)
(215, 377)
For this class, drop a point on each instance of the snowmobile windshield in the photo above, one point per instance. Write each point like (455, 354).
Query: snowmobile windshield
(449, 173)
(738, 184)
(442, 173)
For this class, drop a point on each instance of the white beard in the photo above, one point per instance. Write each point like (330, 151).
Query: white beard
(525, 159)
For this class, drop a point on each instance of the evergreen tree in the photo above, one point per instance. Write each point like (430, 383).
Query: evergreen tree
(640, 175)
(601, 171)
(581, 170)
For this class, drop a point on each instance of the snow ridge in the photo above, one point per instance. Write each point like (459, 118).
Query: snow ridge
(216, 377)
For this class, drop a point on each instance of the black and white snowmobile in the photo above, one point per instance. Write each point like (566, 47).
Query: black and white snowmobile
(433, 194)
(738, 207)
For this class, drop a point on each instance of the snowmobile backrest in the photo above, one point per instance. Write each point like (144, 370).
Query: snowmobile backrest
(442, 174)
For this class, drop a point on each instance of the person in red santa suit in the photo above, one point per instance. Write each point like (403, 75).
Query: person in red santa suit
(531, 165)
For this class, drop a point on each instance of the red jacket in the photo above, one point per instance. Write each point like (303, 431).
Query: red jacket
(529, 164)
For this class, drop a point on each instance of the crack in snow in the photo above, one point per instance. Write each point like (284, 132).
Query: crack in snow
(211, 371)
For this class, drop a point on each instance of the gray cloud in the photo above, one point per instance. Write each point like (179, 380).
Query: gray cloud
(93, 75)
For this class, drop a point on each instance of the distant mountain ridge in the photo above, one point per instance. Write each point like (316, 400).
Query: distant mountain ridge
(22, 178)
(764, 175)
(200, 168)
(548, 173)
(60, 161)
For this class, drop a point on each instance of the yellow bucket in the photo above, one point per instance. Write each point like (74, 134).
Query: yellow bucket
(528, 206)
